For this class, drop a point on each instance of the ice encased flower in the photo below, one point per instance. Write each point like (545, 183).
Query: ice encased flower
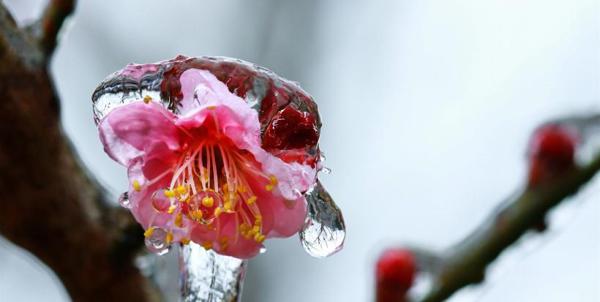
(207, 165)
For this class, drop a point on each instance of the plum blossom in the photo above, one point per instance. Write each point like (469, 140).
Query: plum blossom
(200, 174)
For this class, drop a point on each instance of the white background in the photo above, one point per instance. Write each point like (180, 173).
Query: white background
(427, 107)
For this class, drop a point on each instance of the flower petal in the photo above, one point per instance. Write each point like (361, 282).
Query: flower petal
(128, 130)
(281, 217)
(239, 122)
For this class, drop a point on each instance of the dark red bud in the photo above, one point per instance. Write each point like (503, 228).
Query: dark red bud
(551, 153)
(395, 273)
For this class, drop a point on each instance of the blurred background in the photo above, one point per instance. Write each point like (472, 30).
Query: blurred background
(427, 107)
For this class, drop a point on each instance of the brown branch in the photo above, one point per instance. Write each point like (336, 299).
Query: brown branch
(15, 45)
(47, 29)
(466, 262)
(49, 203)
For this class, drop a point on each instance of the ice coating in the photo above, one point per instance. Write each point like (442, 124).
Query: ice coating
(209, 277)
(289, 123)
(279, 102)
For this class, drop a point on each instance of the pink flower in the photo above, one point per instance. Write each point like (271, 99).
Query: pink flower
(201, 174)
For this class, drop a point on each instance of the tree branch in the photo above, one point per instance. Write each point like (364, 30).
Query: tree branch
(49, 203)
(15, 44)
(466, 262)
(47, 29)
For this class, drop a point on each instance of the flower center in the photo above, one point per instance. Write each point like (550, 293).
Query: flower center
(211, 181)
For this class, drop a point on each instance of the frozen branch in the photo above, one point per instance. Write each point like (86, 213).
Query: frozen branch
(49, 204)
(466, 262)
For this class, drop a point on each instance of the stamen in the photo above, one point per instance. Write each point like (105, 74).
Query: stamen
(272, 183)
(195, 194)
(208, 201)
(136, 185)
(169, 238)
(178, 220)
(207, 245)
(149, 232)
(251, 200)
(169, 193)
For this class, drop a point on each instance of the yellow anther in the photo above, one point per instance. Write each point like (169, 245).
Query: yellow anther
(251, 200)
(147, 99)
(228, 206)
(261, 238)
(255, 230)
(244, 227)
(149, 232)
(169, 193)
(211, 107)
(169, 238)
(257, 220)
(257, 237)
(241, 189)
(272, 183)
(224, 242)
(181, 190)
(218, 212)
(185, 241)
(172, 209)
(227, 197)
(206, 175)
(136, 185)
(207, 245)
(197, 215)
(208, 201)
(178, 220)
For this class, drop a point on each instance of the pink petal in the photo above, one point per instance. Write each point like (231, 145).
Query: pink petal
(281, 217)
(128, 130)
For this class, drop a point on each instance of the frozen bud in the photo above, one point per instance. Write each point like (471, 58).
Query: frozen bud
(395, 273)
(551, 153)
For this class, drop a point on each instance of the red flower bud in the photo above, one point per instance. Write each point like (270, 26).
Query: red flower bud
(551, 153)
(395, 273)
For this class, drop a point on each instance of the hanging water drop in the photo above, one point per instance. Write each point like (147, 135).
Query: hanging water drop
(326, 170)
(124, 200)
(262, 250)
(156, 242)
(324, 230)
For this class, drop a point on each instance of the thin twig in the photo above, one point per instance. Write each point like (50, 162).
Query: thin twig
(466, 262)
(47, 29)
(16, 44)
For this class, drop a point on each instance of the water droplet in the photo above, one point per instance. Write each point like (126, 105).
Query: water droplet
(156, 243)
(124, 200)
(324, 230)
(322, 156)
(160, 201)
(262, 250)
(326, 170)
